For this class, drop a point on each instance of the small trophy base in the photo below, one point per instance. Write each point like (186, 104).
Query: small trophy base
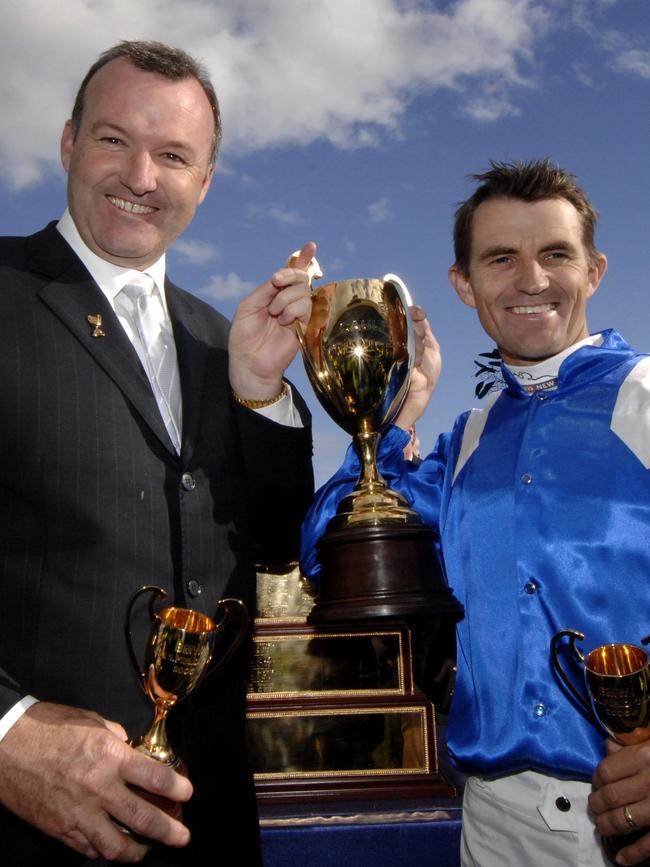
(388, 570)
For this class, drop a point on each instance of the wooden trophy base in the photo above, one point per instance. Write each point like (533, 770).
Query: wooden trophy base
(389, 570)
(333, 712)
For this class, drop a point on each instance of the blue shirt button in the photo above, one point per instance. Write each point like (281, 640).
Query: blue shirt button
(540, 710)
(530, 587)
(526, 479)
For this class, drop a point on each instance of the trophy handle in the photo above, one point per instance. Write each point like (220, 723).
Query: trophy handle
(314, 272)
(300, 336)
(304, 351)
(573, 636)
(157, 592)
(645, 640)
(229, 608)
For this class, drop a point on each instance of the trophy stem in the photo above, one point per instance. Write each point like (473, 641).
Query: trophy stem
(155, 742)
(155, 745)
(372, 503)
(368, 442)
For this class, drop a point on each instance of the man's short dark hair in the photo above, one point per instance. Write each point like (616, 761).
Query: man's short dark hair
(172, 63)
(529, 182)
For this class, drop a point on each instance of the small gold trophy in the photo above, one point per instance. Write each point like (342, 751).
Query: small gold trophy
(617, 680)
(178, 657)
(378, 558)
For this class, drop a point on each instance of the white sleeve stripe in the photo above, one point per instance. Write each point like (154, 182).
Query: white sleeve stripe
(472, 433)
(631, 416)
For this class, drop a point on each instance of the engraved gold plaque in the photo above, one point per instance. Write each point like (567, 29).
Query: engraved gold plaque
(346, 741)
(352, 750)
(319, 663)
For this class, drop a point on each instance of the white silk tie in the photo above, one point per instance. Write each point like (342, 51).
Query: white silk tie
(139, 301)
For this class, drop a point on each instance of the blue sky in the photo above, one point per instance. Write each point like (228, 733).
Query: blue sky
(355, 123)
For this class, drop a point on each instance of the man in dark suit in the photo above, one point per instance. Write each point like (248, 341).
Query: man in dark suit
(107, 482)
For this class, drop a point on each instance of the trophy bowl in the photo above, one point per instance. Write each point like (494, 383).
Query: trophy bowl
(378, 559)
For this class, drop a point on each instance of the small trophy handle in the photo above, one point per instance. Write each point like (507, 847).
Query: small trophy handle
(573, 636)
(229, 608)
(314, 272)
(300, 337)
(157, 592)
(645, 640)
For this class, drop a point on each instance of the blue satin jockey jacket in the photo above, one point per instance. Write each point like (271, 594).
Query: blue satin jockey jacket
(542, 504)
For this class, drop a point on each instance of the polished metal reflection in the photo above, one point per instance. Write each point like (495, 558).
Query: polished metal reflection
(337, 743)
(617, 678)
(327, 665)
(358, 350)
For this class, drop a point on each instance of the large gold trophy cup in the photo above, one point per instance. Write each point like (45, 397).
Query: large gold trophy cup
(377, 557)
(617, 681)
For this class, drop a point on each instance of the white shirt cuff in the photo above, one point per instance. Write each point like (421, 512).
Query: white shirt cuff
(283, 411)
(15, 713)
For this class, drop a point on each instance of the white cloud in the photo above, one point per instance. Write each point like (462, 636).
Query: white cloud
(339, 263)
(276, 213)
(194, 252)
(222, 287)
(287, 72)
(380, 211)
(584, 74)
(490, 107)
(635, 61)
(625, 49)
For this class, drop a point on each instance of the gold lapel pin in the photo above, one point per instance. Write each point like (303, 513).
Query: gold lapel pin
(95, 319)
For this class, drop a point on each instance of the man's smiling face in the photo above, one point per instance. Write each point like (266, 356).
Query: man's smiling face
(139, 164)
(529, 276)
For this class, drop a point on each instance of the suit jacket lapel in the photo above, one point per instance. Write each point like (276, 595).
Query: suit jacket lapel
(72, 295)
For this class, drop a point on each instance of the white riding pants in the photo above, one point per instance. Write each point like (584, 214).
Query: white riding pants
(528, 820)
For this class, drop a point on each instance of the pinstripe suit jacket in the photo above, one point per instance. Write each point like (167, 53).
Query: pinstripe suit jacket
(96, 503)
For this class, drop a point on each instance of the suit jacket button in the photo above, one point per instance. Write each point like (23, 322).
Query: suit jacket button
(194, 588)
(188, 481)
